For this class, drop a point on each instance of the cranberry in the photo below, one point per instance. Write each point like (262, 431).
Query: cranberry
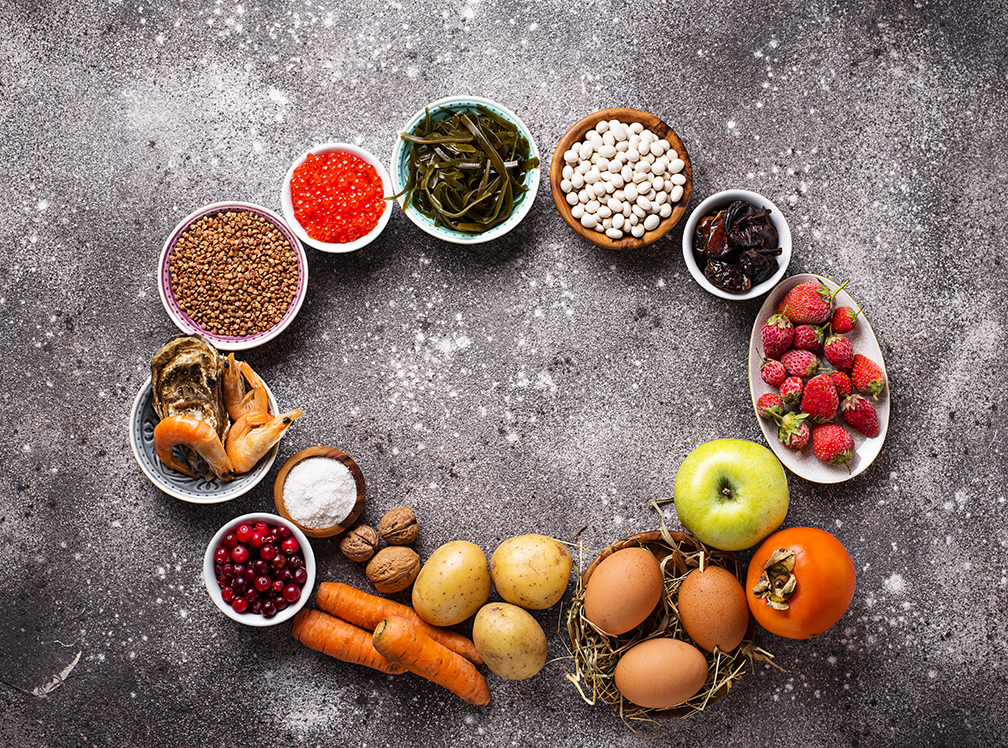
(252, 595)
(269, 609)
(284, 574)
(249, 574)
(268, 552)
(222, 555)
(222, 582)
(262, 583)
(256, 540)
(290, 546)
(301, 576)
(240, 585)
(280, 603)
(239, 605)
(230, 540)
(260, 567)
(295, 561)
(228, 594)
(256, 606)
(282, 531)
(240, 554)
(262, 528)
(243, 533)
(292, 593)
(279, 562)
(239, 570)
(228, 570)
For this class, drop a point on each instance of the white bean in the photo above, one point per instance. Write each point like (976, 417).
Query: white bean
(638, 230)
(628, 210)
(615, 166)
(565, 185)
(598, 188)
(636, 127)
(608, 150)
(616, 206)
(585, 151)
(589, 221)
(641, 176)
(632, 220)
(676, 165)
(627, 172)
(614, 233)
(643, 147)
(617, 179)
(577, 180)
(658, 167)
(608, 138)
(671, 153)
(642, 167)
(604, 211)
(666, 210)
(651, 222)
(583, 167)
(656, 147)
(630, 191)
(596, 141)
(591, 206)
(609, 187)
(602, 163)
(618, 220)
(602, 126)
(678, 179)
(661, 197)
(607, 223)
(644, 203)
(577, 211)
(584, 196)
(571, 156)
(676, 194)
(638, 211)
(600, 228)
(592, 176)
(621, 146)
(632, 155)
(572, 198)
(619, 130)
(568, 171)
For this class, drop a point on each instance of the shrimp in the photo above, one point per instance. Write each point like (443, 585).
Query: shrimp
(199, 436)
(254, 434)
(237, 399)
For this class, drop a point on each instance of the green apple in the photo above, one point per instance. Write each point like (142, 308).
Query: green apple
(731, 493)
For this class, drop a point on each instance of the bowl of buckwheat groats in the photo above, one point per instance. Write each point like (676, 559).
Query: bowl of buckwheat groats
(233, 272)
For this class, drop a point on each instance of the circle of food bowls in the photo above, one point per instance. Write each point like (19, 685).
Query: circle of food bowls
(185, 323)
(213, 587)
(399, 170)
(287, 205)
(627, 116)
(196, 490)
(719, 201)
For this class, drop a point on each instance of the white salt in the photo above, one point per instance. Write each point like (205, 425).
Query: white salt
(319, 492)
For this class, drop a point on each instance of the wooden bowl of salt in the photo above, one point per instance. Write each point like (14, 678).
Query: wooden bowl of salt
(321, 490)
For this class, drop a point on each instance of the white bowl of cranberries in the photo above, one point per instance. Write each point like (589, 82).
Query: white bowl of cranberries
(259, 569)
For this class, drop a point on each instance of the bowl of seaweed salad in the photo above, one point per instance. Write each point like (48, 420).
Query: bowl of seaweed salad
(465, 169)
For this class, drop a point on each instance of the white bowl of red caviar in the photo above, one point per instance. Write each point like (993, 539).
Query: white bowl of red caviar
(333, 197)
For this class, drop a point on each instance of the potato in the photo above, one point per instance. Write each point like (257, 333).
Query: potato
(510, 641)
(452, 585)
(531, 571)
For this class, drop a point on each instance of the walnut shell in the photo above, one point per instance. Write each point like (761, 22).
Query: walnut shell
(399, 526)
(360, 543)
(393, 568)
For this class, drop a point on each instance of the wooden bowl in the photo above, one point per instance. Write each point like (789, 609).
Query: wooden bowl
(626, 116)
(333, 454)
(682, 549)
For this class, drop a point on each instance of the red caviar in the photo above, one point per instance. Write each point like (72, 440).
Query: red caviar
(337, 196)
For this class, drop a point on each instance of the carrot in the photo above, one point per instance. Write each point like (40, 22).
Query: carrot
(404, 642)
(366, 611)
(329, 635)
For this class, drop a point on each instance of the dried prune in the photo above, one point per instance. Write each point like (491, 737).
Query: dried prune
(756, 265)
(727, 277)
(710, 237)
(745, 225)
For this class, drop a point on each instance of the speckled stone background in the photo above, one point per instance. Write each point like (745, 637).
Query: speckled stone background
(535, 384)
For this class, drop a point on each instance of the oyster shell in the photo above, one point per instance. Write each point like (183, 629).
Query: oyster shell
(187, 379)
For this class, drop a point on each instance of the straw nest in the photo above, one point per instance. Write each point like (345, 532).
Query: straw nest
(595, 654)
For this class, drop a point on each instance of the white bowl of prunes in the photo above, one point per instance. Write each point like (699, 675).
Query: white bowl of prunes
(737, 244)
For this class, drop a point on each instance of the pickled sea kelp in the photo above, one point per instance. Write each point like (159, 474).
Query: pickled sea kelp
(737, 246)
(466, 169)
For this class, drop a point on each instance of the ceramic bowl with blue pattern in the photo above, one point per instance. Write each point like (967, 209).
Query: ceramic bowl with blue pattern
(197, 490)
(399, 170)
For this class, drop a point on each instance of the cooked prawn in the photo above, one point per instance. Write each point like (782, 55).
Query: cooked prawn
(199, 436)
(254, 434)
(237, 399)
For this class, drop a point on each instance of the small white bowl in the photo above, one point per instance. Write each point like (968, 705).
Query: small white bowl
(184, 322)
(256, 619)
(719, 201)
(287, 206)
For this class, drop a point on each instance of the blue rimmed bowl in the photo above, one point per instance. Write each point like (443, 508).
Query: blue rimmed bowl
(197, 490)
(400, 172)
(185, 323)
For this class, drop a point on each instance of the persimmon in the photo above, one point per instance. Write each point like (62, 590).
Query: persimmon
(800, 582)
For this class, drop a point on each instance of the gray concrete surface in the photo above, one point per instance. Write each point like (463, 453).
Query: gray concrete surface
(535, 384)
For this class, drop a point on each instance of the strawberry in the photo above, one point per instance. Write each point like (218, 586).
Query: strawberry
(800, 363)
(839, 352)
(809, 337)
(843, 384)
(770, 405)
(860, 415)
(791, 389)
(820, 398)
(810, 302)
(844, 319)
(776, 335)
(793, 432)
(773, 372)
(833, 444)
(866, 376)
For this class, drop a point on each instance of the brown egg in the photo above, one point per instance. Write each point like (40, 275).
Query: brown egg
(660, 673)
(623, 590)
(713, 608)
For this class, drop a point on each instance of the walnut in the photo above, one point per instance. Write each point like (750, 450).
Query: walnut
(399, 526)
(393, 568)
(360, 543)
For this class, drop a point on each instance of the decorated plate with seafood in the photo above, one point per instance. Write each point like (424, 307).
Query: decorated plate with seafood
(804, 463)
(196, 490)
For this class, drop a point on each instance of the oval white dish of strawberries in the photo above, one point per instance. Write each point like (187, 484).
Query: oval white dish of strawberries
(804, 462)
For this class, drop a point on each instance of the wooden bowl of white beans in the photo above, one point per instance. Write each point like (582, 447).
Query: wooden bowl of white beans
(621, 178)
